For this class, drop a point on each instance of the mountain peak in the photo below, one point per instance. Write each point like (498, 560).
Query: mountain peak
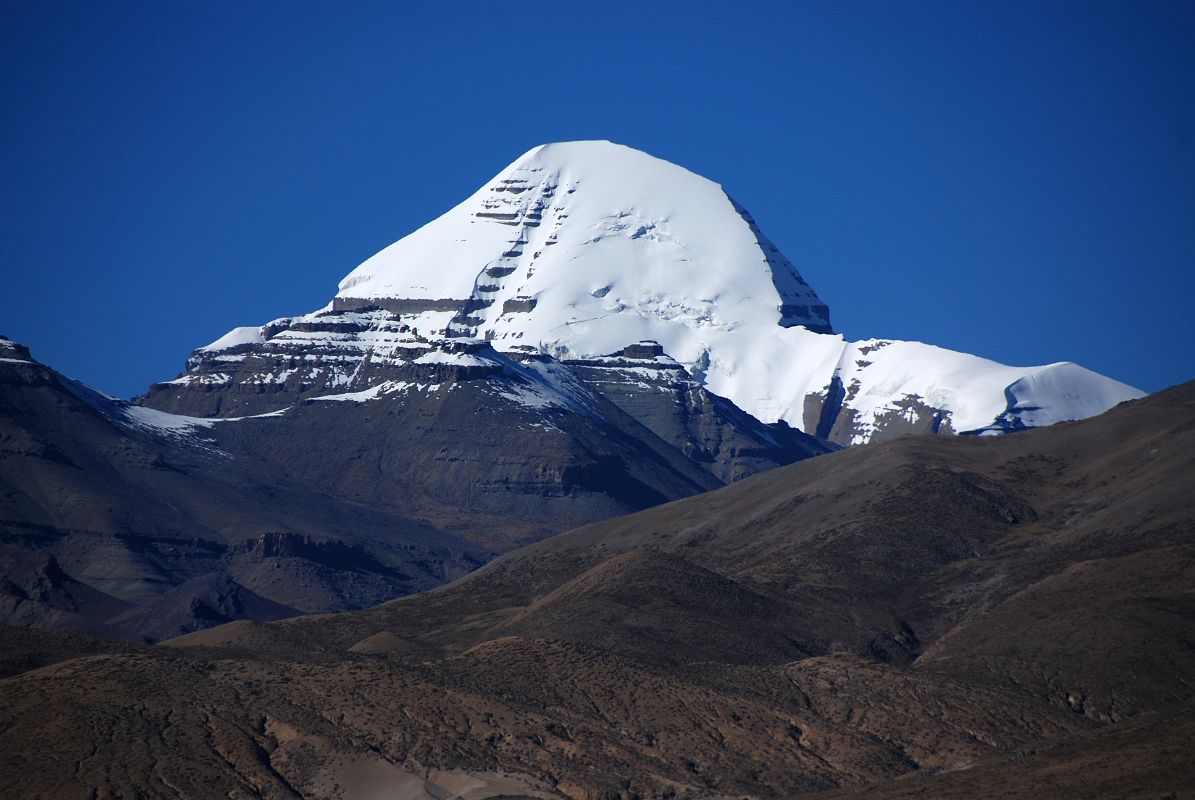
(589, 245)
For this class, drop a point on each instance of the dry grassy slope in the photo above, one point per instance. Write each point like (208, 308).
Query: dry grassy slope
(584, 721)
(929, 617)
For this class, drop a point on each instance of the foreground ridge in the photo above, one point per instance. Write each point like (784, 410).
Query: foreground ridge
(935, 616)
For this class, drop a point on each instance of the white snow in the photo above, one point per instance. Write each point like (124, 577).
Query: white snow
(236, 336)
(620, 235)
(1061, 392)
(162, 421)
(202, 379)
(547, 384)
(178, 423)
(456, 359)
(372, 393)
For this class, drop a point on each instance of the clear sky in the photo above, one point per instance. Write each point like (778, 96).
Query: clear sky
(1013, 180)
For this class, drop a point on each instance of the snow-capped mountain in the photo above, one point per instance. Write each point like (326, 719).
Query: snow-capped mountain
(593, 332)
(579, 250)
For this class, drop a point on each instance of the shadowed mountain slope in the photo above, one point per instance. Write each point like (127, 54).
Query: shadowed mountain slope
(109, 508)
(105, 510)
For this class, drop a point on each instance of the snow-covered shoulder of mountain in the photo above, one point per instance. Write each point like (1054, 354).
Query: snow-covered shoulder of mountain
(1057, 393)
(789, 373)
(236, 336)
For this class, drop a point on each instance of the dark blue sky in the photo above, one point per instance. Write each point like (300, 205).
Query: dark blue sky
(1013, 180)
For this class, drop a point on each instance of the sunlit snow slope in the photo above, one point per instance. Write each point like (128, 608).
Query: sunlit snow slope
(579, 249)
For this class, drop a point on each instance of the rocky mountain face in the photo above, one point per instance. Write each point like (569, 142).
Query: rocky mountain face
(580, 250)
(498, 447)
(936, 616)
